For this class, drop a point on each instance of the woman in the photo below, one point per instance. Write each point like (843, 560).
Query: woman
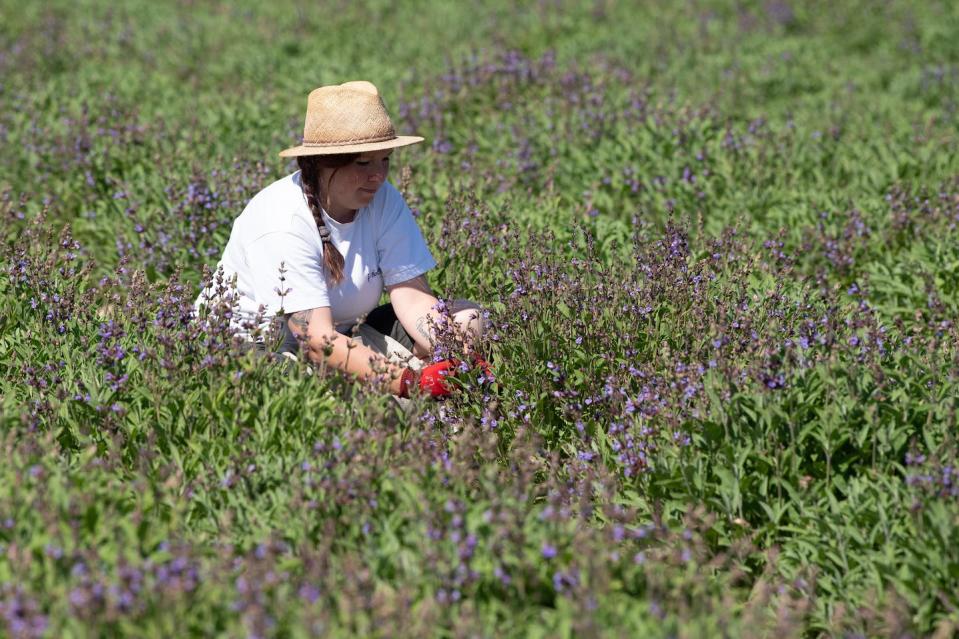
(318, 247)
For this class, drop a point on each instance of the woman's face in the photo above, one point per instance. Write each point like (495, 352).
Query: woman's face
(354, 185)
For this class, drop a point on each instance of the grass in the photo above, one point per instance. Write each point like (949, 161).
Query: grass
(717, 243)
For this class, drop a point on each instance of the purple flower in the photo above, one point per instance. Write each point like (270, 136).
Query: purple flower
(565, 581)
(309, 593)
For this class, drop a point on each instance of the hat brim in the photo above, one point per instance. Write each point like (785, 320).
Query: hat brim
(400, 140)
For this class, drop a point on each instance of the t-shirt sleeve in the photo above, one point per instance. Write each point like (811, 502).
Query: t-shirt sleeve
(401, 249)
(304, 285)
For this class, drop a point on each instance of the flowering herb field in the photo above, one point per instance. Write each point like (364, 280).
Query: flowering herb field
(718, 246)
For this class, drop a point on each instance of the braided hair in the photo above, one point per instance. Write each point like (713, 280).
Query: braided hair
(310, 166)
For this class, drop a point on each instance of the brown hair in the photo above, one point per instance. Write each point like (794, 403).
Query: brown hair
(310, 166)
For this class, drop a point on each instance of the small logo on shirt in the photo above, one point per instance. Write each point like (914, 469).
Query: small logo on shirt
(378, 272)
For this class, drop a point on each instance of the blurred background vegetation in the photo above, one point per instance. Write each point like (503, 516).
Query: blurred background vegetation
(718, 244)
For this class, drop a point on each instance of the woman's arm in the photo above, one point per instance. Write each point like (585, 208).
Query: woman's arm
(413, 302)
(322, 343)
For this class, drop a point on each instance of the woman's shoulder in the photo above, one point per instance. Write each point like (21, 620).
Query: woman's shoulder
(277, 207)
(285, 189)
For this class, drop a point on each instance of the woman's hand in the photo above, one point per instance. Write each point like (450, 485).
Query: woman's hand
(480, 362)
(432, 379)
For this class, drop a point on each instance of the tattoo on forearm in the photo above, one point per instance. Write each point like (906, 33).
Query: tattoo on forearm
(300, 321)
(422, 326)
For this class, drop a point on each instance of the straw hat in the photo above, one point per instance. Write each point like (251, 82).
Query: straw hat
(347, 118)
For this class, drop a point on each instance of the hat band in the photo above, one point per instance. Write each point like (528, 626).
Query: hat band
(381, 138)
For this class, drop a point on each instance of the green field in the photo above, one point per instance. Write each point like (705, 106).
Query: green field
(719, 249)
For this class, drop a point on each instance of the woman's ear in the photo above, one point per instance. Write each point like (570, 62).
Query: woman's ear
(324, 180)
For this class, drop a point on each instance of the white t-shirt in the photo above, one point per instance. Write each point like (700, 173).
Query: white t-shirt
(382, 246)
